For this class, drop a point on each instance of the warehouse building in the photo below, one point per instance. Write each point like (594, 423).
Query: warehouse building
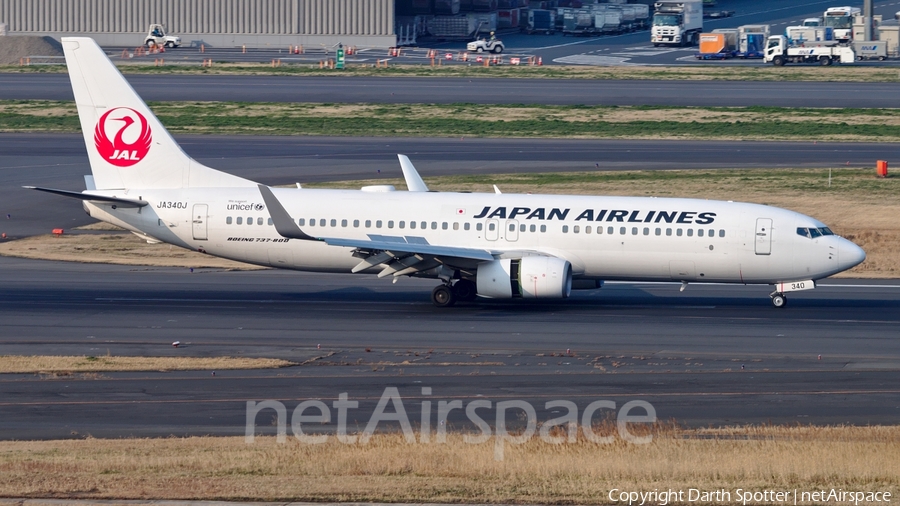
(216, 23)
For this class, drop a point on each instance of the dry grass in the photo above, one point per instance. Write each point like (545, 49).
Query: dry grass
(121, 248)
(39, 364)
(710, 71)
(388, 469)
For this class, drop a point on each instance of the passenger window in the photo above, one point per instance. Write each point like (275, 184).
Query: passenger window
(433, 225)
(249, 220)
(412, 224)
(699, 232)
(312, 223)
(368, 223)
(322, 222)
(622, 231)
(600, 229)
(455, 226)
(543, 228)
(228, 220)
(587, 230)
(402, 224)
(444, 226)
(610, 230)
(532, 228)
(721, 232)
(522, 227)
(377, 223)
(633, 230)
(565, 229)
(575, 229)
(669, 231)
(678, 232)
(478, 227)
(390, 223)
(301, 222)
(355, 223)
(269, 222)
(690, 232)
(491, 226)
(646, 231)
(658, 231)
(424, 225)
(240, 220)
(333, 222)
(344, 223)
(466, 226)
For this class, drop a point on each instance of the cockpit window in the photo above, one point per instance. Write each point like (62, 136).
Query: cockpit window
(813, 233)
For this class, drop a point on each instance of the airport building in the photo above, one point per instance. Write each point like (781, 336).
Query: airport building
(216, 23)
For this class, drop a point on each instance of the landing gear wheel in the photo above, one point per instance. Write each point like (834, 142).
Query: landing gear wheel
(465, 290)
(443, 296)
(779, 300)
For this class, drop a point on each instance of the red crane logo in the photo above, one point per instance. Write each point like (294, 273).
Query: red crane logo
(119, 151)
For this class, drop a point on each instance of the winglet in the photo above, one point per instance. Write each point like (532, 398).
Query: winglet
(497, 190)
(413, 181)
(283, 222)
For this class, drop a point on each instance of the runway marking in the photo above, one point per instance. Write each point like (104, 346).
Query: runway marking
(584, 59)
(498, 396)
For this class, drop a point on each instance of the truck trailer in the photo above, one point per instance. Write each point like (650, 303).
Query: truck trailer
(677, 22)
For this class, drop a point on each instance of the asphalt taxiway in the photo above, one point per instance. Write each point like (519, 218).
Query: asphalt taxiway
(413, 90)
(710, 355)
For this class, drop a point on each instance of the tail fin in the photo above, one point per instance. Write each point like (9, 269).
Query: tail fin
(127, 145)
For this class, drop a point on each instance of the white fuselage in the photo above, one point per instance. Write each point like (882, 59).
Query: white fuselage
(609, 238)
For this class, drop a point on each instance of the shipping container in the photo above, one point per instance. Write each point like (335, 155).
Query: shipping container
(541, 20)
(715, 45)
(482, 22)
(508, 18)
(446, 7)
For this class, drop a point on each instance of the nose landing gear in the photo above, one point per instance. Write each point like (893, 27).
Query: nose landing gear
(778, 299)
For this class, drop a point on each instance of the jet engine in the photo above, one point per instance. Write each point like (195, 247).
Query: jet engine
(530, 277)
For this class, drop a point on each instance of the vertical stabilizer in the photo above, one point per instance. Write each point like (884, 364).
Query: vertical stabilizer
(127, 145)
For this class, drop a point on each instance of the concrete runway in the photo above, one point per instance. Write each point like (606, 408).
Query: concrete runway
(405, 90)
(710, 355)
(60, 161)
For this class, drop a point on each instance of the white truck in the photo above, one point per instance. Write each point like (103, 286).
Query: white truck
(677, 22)
(840, 19)
(779, 52)
(156, 37)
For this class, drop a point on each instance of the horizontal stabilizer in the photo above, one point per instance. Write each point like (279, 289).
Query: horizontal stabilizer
(92, 198)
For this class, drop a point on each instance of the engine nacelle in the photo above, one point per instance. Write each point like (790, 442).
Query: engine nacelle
(529, 277)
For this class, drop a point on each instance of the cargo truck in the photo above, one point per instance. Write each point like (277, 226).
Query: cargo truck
(840, 19)
(677, 22)
(752, 41)
(779, 52)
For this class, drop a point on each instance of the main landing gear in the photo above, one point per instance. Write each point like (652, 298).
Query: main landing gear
(447, 295)
(778, 299)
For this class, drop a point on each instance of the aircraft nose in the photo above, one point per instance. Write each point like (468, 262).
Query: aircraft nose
(850, 255)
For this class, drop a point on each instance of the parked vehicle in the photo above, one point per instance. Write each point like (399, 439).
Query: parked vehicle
(677, 22)
(541, 20)
(780, 52)
(156, 37)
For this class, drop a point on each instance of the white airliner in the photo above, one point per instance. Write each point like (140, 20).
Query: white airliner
(476, 244)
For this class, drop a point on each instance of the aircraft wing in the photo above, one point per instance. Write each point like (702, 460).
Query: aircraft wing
(400, 255)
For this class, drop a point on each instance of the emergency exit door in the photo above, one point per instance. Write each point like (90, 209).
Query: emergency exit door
(763, 236)
(200, 219)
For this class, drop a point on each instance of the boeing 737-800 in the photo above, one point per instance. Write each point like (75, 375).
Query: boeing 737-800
(476, 244)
